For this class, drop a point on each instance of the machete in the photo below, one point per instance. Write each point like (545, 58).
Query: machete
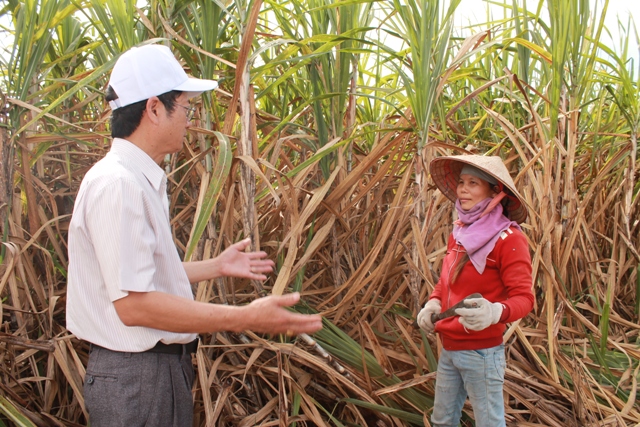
(451, 311)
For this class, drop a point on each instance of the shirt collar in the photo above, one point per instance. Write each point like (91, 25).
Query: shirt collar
(133, 154)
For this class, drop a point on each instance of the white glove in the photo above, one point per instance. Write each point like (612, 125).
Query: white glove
(432, 306)
(482, 316)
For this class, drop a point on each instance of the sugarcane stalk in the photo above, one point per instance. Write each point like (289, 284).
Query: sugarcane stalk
(325, 355)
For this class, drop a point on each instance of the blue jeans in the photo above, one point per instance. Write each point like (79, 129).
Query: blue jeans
(476, 373)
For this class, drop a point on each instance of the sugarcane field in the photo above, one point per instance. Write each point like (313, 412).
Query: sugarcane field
(326, 132)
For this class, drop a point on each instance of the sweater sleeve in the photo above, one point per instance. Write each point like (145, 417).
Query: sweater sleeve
(514, 263)
(437, 290)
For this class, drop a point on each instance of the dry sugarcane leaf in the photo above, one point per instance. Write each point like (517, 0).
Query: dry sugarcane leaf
(378, 353)
(254, 419)
(315, 244)
(285, 271)
(406, 384)
(314, 203)
(205, 388)
(75, 381)
(251, 162)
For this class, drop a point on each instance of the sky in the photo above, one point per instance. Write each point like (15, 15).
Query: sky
(476, 11)
(470, 11)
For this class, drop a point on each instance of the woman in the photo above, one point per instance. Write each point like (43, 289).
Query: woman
(487, 253)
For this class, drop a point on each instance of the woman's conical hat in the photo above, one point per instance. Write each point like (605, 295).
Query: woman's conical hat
(445, 172)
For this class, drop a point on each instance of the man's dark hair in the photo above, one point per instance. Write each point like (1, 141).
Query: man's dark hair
(125, 120)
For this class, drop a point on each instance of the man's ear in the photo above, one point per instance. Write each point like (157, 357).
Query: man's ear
(153, 109)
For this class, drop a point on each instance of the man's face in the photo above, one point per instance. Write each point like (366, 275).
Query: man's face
(175, 125)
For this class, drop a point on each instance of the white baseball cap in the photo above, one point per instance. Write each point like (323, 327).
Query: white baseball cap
(151, 70)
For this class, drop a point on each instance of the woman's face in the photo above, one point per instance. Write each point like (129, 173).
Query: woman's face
(472, 190)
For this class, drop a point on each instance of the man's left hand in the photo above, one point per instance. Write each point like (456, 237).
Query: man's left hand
(235, 262)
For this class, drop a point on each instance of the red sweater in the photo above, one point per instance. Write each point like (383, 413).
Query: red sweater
(506, 279)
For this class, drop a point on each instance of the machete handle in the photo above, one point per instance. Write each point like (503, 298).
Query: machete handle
(451, 311)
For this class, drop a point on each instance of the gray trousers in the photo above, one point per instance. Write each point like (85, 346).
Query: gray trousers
(138, 389)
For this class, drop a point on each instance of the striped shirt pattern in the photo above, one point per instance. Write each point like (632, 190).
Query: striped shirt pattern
(119, 241)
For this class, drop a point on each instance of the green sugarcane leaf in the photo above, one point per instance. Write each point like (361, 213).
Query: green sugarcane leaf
(216, 183)
(398, 413)
(11, 412)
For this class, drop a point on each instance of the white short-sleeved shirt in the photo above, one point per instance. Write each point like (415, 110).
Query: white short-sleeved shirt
(119, 241)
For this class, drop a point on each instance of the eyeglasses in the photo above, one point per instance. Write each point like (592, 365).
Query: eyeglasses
(190, 111)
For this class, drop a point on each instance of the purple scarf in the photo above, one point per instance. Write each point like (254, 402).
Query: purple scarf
(478, 234)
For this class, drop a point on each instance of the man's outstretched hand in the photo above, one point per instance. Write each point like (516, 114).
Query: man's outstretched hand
(269, 315)
(235, 262)
(168, 312)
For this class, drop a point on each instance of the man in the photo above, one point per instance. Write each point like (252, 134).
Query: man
(128, 292)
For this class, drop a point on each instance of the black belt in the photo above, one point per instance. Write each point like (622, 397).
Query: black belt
(188, 348)
(161, 347)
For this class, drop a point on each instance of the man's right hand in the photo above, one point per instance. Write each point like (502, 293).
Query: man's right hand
(432, 306)
(272, 318)
(172, 313)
